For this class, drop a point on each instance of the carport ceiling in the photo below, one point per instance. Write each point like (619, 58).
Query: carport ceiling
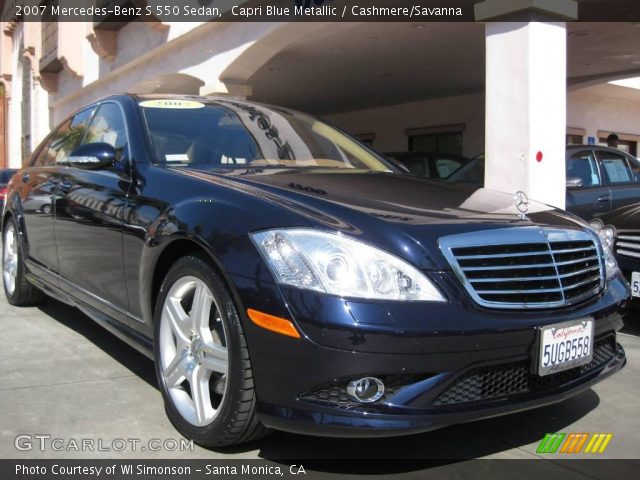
(376, 64)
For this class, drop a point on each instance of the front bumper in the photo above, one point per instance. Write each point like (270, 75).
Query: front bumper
(435, 358)
(360, 423)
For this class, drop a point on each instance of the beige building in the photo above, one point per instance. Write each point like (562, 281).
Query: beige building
(509, 88)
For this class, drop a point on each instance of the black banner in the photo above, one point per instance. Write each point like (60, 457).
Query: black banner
(117, 12)
(316, 469)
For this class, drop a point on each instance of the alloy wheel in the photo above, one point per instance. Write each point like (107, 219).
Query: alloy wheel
(10, 259)
(193, 351)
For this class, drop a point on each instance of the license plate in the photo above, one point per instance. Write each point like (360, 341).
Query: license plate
(635, 284)
(565, 345)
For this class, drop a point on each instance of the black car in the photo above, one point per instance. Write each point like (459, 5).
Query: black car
(599, 179)
(283, 275)
(5, 176)
(622, 229)
(434, 165)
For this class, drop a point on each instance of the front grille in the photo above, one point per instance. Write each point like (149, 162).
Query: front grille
(526, 267)
(628, 244)
(486, 383)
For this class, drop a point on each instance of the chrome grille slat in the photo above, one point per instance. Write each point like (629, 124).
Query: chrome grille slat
(561, 267)
(628, 244)
(628, 253)
(633, 246)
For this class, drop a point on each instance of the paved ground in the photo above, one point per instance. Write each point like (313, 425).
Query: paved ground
(63, 375)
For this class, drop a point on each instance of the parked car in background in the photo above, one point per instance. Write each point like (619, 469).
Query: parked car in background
(599, 179)
(622, 227)
(429, 164)
(281, 274)
(5, 176)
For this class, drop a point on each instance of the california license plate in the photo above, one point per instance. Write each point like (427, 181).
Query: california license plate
(565, 345)
(635, 284)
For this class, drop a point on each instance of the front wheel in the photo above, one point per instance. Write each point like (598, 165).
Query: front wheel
(202, 360)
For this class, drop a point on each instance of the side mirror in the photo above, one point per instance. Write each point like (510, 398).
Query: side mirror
(574, 182)
(92, 156)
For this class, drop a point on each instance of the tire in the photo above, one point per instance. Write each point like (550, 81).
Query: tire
(196, 330)
(17, 288)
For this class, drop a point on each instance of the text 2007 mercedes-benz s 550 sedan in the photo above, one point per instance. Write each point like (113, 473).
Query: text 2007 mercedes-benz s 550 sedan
(283, 275)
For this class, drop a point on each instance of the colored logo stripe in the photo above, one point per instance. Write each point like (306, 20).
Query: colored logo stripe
(574, 443)
(550, 443)
(598, 443)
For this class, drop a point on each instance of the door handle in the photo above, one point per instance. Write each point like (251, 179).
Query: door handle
(25, 177)
(603, 198)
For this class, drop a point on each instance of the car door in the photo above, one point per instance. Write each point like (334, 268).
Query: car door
(38, 187)
(619, 176)
(89, 216)
(587, 195)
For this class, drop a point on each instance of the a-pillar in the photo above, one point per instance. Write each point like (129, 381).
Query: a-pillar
(526, 96)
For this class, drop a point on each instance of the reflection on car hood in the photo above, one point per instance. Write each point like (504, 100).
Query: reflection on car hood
(420, 209)
(624, 218)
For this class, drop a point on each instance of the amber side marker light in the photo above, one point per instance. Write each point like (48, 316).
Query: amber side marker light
(275, 324)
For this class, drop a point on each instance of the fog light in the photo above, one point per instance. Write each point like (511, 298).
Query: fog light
(366, 390)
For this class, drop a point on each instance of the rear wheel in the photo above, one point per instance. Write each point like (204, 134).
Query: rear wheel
(202, 360)
(17, 288)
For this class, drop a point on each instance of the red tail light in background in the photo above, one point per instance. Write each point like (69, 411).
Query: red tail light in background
(3, 193)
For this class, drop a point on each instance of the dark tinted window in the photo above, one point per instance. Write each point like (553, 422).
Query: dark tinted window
(583, 165)
(471, 173)
(66, 138)
(446, 166)
(6, 174)
(418, 166)
(108, 126)
(235, 134)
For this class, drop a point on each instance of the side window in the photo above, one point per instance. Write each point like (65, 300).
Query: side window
(583, 165)
(418, 166)
(446, 166)
(617, 169)
(108, 126)
(67, 137)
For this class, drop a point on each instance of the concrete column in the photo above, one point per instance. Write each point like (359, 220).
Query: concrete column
(526, 97)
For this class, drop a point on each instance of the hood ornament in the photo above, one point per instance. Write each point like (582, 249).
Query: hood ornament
(522, 204)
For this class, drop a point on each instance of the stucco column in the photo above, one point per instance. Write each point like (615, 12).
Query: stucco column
(526, 98)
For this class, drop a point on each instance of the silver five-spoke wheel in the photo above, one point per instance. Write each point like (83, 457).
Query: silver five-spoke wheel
(193, 351)
(10, 258)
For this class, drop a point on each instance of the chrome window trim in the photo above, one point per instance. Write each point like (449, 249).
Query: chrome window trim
(516, 236)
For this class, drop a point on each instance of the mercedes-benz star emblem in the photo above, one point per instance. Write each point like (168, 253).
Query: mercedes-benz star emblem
(522, 203)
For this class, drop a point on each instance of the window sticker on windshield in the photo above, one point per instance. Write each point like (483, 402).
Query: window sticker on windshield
(170, 103)
(176, 157)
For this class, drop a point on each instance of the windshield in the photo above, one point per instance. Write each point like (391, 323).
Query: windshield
(231, 135)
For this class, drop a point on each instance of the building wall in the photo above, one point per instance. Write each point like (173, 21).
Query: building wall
(600, 108)
(389, 124)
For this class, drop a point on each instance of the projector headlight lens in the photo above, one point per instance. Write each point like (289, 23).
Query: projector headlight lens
(334, 264)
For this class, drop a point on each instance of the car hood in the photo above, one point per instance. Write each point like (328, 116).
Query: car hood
(394, 211)
(624, 218)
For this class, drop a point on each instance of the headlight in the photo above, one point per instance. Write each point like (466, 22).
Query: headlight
(331, 263)
(607, 236)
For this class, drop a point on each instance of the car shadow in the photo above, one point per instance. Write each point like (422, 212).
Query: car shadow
(77, 321)
(459, 442)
